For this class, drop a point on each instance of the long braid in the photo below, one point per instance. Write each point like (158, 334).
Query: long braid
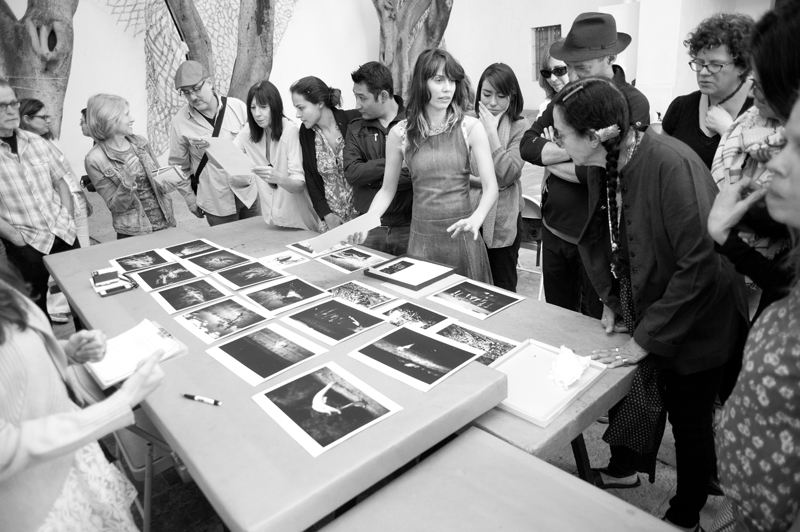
(611, 178)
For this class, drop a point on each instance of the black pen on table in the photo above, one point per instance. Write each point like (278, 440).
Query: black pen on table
(201, 399)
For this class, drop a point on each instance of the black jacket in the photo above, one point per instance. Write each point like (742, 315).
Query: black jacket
(365, 162)
(316, 188)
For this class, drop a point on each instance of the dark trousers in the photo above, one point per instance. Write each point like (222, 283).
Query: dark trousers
(565, 281)
(392, 240)
(30, 264)
(242, 212)
(690, 403)
(503, 262)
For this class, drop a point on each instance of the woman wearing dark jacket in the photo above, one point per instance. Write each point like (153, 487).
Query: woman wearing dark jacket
(322, 143)
(651, 261)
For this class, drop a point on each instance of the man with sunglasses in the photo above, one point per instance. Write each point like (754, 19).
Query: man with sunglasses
(589, 49)
(36, 216)
(222, 198)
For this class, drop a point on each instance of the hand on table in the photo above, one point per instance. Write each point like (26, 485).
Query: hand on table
(610, 322)
(465, 226)
(86, 346)
(730, 206)
(145, 379)
(718, 119)
(617, 357)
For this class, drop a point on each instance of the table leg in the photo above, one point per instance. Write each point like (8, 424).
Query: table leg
(79, 326)
(582, 459)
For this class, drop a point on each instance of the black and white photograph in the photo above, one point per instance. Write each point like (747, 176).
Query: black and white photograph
(264, 353)
(285, 294)
(361, 294)
(192, 248)
(396, 267)
(409, 273)
(219, 260)
(222, 319)
(139, 261)
(416, 357)
(283, 260)
(351, 260)
(476, 299)
(333, 321)
(303, 248)
(166, 275)
(249, 274)
(192, 294)
(324, 407)
(492, 345)
(401, 312)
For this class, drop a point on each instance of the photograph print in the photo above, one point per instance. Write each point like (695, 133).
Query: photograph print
(410, 273)
(222, 319)
(164, 276)
(402, 312)
(361, 294)
(281, 261)
(416, 358)
(333, 321)
(284, 294)
(492, 345)
(192, 294)
(192, 248)
(139, 261)
(248, 274)
(475, 299)
(303, 248)
(351, 260)
(264, 353)
(324, 407)
(218, 260)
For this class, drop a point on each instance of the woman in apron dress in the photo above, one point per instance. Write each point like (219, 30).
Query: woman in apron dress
(435, 142)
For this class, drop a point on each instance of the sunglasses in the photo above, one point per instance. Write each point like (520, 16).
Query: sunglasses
(558, 71)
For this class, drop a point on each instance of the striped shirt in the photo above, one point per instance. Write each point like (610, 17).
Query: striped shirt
(29, 200)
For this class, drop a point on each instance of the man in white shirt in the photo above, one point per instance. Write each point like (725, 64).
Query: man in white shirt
(221, 197)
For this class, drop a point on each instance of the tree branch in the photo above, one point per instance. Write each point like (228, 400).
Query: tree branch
(5, 11)
(254, 51)
(191, 26)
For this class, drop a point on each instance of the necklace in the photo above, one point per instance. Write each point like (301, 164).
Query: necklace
(728, 97)
(438, 128)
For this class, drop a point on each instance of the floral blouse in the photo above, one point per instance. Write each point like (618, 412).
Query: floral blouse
(330, 164)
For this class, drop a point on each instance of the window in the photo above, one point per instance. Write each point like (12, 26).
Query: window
(540, 38)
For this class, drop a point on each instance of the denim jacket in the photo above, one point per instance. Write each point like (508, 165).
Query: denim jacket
(118, 188)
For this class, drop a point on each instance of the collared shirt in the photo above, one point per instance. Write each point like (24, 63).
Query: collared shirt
(217, 191)
(29, 200)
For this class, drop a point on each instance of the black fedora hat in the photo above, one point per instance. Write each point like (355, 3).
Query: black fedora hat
(592, 35)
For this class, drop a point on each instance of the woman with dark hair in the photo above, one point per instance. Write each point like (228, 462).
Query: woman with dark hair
(34, 118)
(53, 475)
(552, 75)
(720, 51)
(322, 134)
(653, 265)
(272, 141)
(435, 142)
(498, 105)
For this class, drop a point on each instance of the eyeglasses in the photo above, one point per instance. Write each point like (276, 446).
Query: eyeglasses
(193, 90)
(713, 68)
(46, 118)
(4, 107)
(558, 71)
(559, 138)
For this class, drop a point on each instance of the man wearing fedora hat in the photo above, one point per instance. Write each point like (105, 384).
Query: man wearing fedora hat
(589, 49)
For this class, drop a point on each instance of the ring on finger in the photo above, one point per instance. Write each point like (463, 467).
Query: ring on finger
(617, 357)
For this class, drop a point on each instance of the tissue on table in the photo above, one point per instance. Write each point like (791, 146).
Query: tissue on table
(567, 368)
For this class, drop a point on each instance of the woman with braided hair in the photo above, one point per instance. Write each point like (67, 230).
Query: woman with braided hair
(650, 259)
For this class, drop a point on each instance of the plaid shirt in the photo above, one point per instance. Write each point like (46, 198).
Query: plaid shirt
(29, 200)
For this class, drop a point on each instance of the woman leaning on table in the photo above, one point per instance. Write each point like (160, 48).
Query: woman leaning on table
(53, 475)
(271, 140)
(122, 168)
(652, 263)
(719, 48)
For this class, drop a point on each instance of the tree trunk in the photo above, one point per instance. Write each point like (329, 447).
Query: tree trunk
(255, 48)
(36, 54)
(193, 32)
(408, 27)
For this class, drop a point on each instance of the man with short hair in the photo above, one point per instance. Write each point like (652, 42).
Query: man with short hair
(365, 156)
(222, 198)
(590, 49)
(36, 216)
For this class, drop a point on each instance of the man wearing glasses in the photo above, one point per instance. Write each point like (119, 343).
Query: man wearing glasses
(36, 217)
(221, 197)
(590, 49)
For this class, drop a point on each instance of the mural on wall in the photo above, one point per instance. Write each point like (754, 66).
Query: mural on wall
(36, 52)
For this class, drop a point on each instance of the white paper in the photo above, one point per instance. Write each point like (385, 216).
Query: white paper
(438, 286)
(281, 261)
(362, 224)
(361, 294)
(476, 299)
(223, 153)
(492, 346)
(284, 294)
(191, 294)
(350, 260)
(221, 259)
(413, 272)
(165, 275)
(401, 312)
(303, 248)
(247, 274)
(567, 368)
(141, 261)
(330, 330)
(222, 319)
(192, 248)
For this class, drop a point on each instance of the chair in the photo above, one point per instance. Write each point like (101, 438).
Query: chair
(532, 235)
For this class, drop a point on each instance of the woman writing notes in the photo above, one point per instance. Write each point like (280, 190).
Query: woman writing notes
(435, 143)
(271, 141)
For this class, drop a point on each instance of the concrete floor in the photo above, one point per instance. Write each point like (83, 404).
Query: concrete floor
(182, 507)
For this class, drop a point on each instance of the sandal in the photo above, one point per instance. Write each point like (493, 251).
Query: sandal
(600, 483)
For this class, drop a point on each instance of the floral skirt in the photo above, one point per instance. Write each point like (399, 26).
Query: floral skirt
(96, 497)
